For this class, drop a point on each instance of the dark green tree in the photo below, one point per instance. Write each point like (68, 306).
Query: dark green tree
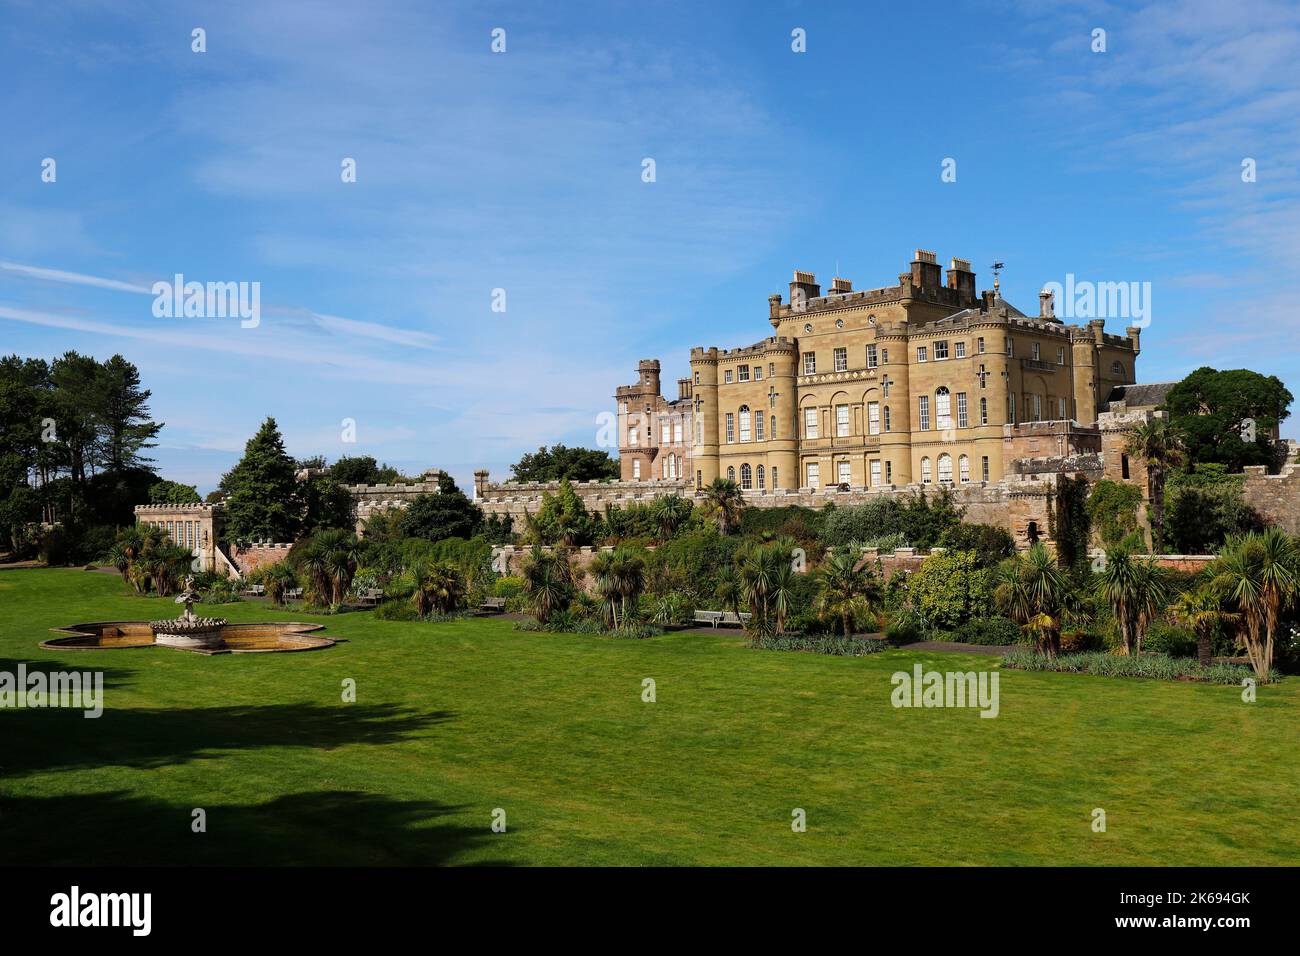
(448, 514)
(173, 493)
(1211, 411)
(559, 461)
(121, 412)
(262, 495)
(326, 504)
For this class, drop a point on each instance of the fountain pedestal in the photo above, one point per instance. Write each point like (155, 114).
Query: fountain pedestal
(189, 631)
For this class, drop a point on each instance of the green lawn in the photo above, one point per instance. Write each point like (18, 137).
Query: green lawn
(454, 720)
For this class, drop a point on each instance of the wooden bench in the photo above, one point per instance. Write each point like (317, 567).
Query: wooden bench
(370, 597)
(493, 605)
(712, 618)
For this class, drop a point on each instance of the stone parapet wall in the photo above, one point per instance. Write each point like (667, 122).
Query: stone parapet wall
(1275, 497)
(258, 554)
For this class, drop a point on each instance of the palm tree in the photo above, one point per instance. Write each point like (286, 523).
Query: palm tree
(729, 591)
(438, 587)
(628, 572)
(602, 571)
(118, 557)
(1136, 592)
(724, 502)
(670, 513)
(767, 584)
(548, 581)
(1034, 592)
(1158, 446)
(1202, 611)
(1260, 573)
(843, 589)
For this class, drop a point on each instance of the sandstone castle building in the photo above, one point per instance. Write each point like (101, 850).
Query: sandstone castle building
(922, 382)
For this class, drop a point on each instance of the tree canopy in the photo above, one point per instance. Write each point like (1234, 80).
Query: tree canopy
(559, 462)
(1211, 411)
(262, 494)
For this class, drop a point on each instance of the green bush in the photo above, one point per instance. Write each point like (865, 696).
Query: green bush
(950, 588)
(1152, 666)
(995, 631)
(508, 587)
(396, 609)
(1162, 638)
(837, 646)
(904, 627)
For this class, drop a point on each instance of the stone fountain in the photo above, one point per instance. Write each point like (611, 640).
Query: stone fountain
(189, 631)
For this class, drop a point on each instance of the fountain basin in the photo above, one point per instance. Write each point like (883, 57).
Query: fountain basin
(260, 638)
(192, 634)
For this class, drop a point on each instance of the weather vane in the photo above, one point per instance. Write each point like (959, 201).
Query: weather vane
(997, 268)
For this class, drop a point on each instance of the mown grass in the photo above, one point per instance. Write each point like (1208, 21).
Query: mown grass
(457, 719)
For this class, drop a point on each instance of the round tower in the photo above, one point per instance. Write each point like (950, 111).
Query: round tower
(783, 405)
(704, 454)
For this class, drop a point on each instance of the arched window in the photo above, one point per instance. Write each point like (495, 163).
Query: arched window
(942, 408)
(761, 486)
(888, 421)
(945, 469)
(984, 411)
(731, 473)
(963, 469)
(746, 477)
(925, 471)
(744, 423)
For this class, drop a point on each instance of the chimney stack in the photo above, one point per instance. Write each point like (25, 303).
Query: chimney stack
(839, 285)
(1045, 309)
(962, 280)
(926, 273)
(802, 289)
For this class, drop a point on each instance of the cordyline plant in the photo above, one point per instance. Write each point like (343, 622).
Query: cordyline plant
(1260, 575)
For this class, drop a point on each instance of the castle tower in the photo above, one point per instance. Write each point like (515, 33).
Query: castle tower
(704, 373)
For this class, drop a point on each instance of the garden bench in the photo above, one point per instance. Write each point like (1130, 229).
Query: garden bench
(371, 597)
(708, 617)
(293, 594)
(731, 619)
(254, 590)
(493, 605)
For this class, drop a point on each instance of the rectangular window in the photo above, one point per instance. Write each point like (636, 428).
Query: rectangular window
(809, 363)
(631, 437)
(1011, 348)
(889, 472)
(1038, 409)
(731, 427)
(1060, 355)
(636, 469)
(873, 418)
(841, 360)
(887, 422)
(960, 350)
(666, 432)
(884, 356)
(984, 468)
(758, 377)
(979, 345)
(923, 407)
(697, 378)
(873, 358)
(1061, 410)
(742, 373)
(677, 431)
(1037, 352)
(845, 477)
(1011, 408)
(962, 420)
(983, 373)
(841, 421)
(921, 355)
(758, 425)
(814, 475)
(771, 373)
(875, 473)
(810, 423)
(727, 377)
(940, 351)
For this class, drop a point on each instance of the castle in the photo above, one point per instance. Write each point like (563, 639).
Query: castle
(913, 383)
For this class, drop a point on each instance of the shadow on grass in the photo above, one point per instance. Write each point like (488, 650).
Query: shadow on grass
(147, 738)
(113, 676)
(328, 828)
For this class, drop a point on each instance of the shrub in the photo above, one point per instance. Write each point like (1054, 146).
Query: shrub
(837, 646)
(397, 609)
(988, 542)
(994, 631)
(950, 588)
(1162, 638)
(1152, 666)
(904, 628)
(222, 591)
(508, 587)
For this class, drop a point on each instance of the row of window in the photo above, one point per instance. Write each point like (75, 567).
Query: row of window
(748, 477)
(945, 469)
(756, 419)
(875, 356)
(742, 373)
(184, 534)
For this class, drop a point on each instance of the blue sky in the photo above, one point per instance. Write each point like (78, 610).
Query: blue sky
(522, 171)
